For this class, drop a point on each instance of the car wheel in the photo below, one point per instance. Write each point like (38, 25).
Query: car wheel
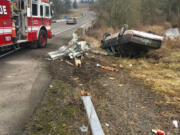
(106, 35)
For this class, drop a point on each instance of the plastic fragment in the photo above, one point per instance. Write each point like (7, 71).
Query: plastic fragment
(106, 124)
(111, 78)
(158, 132)
(83, 128)
(175, 123)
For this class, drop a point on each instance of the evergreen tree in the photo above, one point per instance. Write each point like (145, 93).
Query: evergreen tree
(61, 6)
(75, 5)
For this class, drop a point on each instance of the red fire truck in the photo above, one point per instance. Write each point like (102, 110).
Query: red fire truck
(24, 21)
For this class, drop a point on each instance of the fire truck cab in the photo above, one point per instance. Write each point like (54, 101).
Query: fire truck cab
(25, 21)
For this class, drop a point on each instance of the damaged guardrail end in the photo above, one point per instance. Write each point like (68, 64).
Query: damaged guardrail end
(95, 124)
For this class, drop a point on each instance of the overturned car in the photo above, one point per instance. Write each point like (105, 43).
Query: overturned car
(130, 43)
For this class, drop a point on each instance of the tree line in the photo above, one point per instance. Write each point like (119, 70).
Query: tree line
(137, 12)
(61, 6)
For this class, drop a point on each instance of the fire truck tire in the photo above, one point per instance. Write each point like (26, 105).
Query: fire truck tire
(42, 39)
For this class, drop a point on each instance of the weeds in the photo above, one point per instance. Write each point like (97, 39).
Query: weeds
(161, 73)
(57, 113)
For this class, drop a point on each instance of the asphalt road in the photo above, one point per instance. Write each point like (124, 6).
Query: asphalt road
(62, 27)
(24, 78)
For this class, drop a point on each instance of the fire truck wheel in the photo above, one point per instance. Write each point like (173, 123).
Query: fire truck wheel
(42, 39)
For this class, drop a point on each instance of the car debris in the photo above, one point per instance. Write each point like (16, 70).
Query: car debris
(50, 86)
(83, 128)
(74, 38)
(175, 123)
(120, 85)
(107, 68)
(121, 66)
(84, 93)
(107, 125)
(130, 65)
(48, 59)
(95, 124)
(111, 78)
(69, 63)
(76, 50)
(101, 53)
(130, 43)
(158, 132)
(172, 33)
(76, 78)
(77, 62)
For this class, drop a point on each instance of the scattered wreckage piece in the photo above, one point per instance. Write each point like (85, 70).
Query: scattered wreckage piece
(69, 63)
(74, 38)
(73, 51)
(101, 53)
(158, 132)
(172, 33)
(175, 123)
(83, 128)
(95, 124)
(77, 62)
(130, 42)
(107, 68)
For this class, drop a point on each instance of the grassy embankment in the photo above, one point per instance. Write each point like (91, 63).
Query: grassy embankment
(159, 69)
(58, 112)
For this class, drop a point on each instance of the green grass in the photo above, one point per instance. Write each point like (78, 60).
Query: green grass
(57, 112)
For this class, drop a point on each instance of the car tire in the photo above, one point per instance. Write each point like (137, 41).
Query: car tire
(106, 35)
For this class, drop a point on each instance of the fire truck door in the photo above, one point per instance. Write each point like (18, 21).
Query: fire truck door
(5, 22)
(47, 16)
